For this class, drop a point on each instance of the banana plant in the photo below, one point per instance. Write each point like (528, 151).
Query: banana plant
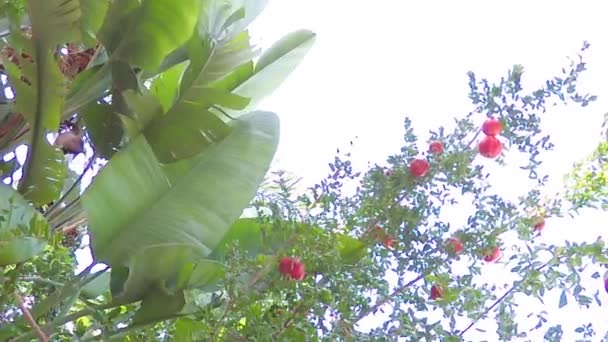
(168, 97)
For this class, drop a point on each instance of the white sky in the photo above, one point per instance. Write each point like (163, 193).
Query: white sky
(376, 62)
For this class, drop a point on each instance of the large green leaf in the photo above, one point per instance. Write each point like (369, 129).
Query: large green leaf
(177, 267)
(40, 103)
(252, 8)
(53, 22)
(20, 249)
(97, 286)
(189, 126)
(93, 13)
(190, 205)
(104, 128)
(119, 16)
(245, 234)
(210, 62)
(158, 306)
(273, 67)
(88, 86)
(220, 45)
(155, 29)
(165, 86)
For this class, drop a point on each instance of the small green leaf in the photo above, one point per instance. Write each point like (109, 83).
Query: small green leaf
(351, 249)
(563, 300)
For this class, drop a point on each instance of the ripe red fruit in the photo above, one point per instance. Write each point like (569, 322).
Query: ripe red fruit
(419, 167)
(389, 242)
(292, 267)
(436, 147)
(492, 127)
(493, 255)
(454, 246)
(540, 225)
(490, 147)
(436, 292)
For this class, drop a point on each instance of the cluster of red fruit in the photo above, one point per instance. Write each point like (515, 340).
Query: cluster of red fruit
(454, 246)
(490, 146)
(292, 268)
(420, 167)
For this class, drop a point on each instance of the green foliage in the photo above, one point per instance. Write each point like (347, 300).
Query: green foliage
(162, 130)
(165, 99)
(154, 29)
(272, 68)
(22, 229)
(175, 208)
(588, 181)
(40, 85)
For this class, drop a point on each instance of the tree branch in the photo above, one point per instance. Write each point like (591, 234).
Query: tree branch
(499, 300)
(388, 298)
(41, 281)
(30, 319)
(68, 318)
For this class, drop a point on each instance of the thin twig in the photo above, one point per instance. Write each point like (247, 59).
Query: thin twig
(30, 319)
(388, 298)
(500, 299)
(472, 140)
(41, 280)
